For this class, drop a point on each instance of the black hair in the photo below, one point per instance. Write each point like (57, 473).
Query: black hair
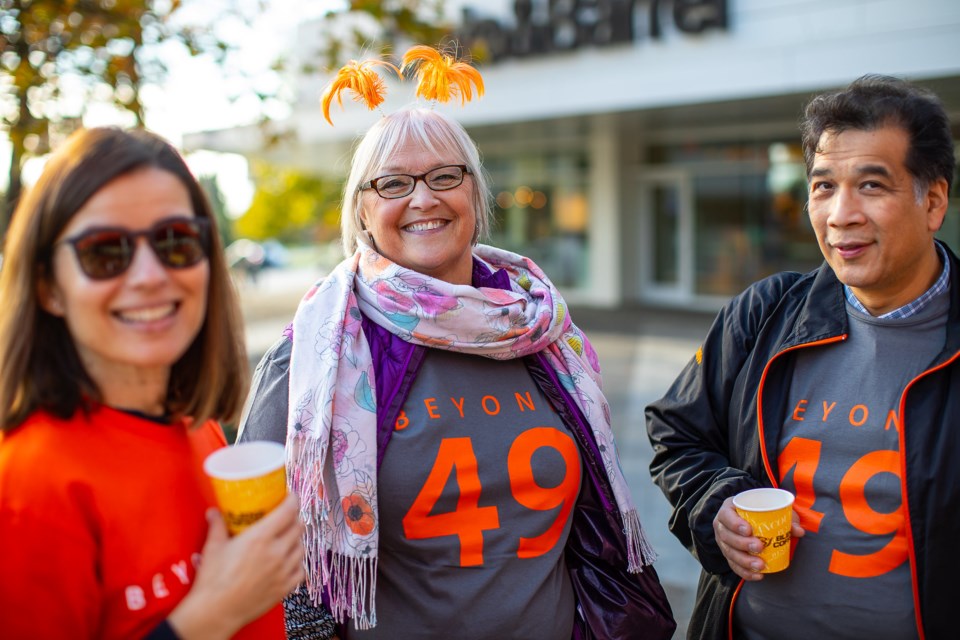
(875, 101)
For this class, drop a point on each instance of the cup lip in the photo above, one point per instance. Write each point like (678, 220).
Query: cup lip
(787, 499)
(273, 452)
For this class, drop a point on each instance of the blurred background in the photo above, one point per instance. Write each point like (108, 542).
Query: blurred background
(644, 152)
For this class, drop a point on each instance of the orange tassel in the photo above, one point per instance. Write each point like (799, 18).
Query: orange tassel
(362, 79)
(440, 77)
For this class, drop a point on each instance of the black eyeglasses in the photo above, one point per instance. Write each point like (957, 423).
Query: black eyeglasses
(106, 252)
(402, 184)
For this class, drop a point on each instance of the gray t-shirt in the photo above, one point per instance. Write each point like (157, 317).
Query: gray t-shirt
(839, 454)
(476, 493)
(523, 452)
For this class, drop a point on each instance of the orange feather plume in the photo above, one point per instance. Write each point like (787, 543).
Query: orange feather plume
(361, 78)
(440, 77)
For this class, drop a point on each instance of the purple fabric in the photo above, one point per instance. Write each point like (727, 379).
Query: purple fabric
(574, 415)
(396, 362)
(613, 602)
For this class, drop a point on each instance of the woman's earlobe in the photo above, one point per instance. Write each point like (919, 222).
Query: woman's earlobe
(49, 297)
(365, 233)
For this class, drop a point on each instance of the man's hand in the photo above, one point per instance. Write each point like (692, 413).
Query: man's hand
(737, 543)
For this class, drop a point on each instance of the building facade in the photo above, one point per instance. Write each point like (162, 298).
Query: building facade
(646, 152)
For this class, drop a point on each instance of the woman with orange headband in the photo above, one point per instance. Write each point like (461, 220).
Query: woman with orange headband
(444, 420)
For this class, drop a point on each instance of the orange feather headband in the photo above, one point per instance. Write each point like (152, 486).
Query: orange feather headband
(440, 77)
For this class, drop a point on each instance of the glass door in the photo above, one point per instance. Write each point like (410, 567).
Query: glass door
(666, 236)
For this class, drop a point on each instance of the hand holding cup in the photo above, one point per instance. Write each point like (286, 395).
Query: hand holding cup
(751, 545)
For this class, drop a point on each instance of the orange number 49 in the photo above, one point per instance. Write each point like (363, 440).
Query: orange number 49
(469, 520)
(803, 455)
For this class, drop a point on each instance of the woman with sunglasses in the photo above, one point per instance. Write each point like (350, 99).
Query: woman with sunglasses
(447, 434)
(121, 346)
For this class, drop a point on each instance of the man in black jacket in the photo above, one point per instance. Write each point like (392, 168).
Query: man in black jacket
(842, 386)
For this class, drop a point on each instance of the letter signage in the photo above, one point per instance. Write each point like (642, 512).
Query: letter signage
(547, 26)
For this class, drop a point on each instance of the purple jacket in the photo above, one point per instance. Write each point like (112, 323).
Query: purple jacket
(612, 602)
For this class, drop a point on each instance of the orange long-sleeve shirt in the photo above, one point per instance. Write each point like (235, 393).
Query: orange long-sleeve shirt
(101, 523)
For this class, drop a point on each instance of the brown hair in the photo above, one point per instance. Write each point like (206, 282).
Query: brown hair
(39, 364)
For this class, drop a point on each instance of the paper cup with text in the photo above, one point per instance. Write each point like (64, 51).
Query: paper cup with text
(770, 513)
(249, 480)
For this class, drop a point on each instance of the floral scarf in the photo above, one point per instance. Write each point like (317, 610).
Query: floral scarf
(331, 426)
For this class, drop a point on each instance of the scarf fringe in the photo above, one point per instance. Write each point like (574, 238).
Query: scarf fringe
(640, 553)
(352, 585)
(350, 581)
(331, 361)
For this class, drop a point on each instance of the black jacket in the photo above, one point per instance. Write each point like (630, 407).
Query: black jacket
(715, 433)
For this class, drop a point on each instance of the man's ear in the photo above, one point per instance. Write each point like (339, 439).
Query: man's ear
(49, 295)
(937, 201)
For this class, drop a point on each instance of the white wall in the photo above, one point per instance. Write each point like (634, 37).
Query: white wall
(604, 287)
(771, 47)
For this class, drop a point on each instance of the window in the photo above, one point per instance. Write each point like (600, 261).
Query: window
(542, 211)
(749, 219)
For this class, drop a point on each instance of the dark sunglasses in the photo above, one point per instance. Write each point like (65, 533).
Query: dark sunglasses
(106, 252)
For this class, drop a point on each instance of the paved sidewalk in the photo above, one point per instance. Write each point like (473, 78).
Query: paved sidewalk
(641, 351)
(637, 369)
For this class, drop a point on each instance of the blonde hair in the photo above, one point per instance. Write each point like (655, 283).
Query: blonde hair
(436, 133)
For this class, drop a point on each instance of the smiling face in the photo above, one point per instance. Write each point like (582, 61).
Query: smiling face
(872, 230)
(131, 328)
(430, 232)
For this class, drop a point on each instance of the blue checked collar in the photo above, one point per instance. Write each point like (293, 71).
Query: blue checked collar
(916, 306)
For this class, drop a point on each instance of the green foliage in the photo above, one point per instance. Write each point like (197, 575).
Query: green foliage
(57, 57)
(291, 206)
(400, 22)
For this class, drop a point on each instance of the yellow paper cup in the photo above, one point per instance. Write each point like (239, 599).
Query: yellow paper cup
(249, 480)
(770, 513)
